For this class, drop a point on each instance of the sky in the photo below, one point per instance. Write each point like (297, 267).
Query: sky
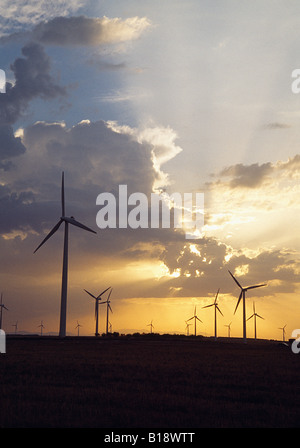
(172, 96)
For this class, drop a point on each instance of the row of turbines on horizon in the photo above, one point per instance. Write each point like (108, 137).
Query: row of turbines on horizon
(64, 286)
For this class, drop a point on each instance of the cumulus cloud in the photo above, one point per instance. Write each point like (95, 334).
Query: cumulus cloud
(32, 79)
(84, 31)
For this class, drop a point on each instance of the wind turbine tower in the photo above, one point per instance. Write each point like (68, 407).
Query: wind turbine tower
(243, 295)
(64, 285)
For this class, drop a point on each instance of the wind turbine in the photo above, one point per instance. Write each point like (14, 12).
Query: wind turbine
(283, 332)
(1, 309)
(255, 315)
(187, 328)
(243, 295)
(97, 306)
(215, 304)
(64, 286)
(41, 326)
(151, 326)
(77, 326)
(108, 308)
(228, 326)
(196, 318)
(16, 326)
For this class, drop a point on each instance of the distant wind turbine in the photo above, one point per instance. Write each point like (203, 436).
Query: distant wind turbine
(77, 326)
(187, 328)
(41, 326)
(151, 326)
(2, 306)
(215, 304)
(255, 315)
(97, 306)
(16, 326)
(64, 286)
(196, 318)
(228, 326)
(283, 332)
(243, 295)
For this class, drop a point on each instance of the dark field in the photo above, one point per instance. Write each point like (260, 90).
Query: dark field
(150, 382)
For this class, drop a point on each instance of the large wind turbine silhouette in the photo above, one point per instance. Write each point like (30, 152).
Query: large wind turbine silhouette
(97, 306)
(2, 306)
(215, 304)
(196, 318)
(64, 286)
(243, 295)
(255, 315)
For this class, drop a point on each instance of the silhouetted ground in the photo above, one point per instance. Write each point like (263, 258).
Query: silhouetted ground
(147, 382)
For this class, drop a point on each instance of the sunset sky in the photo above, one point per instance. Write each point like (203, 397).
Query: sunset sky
(188, 96)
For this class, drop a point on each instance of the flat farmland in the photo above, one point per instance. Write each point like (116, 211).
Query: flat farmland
(148, 382)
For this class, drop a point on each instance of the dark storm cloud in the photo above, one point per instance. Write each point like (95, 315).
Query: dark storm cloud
(32, 80)
(10, 146)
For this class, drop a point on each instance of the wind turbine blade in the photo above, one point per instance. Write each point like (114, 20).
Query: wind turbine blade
(250, 317)
(219, 310)
(5, 307)
(207, 306)
(103, 292)
(191, 318)
(55, 228)
(110, 308)
(78, 224)
(235, 280)
(238, 302)
(198, 319)
(90, 294)
(260, 316)
(62, 195)
(109, 294)
(255, 286)
(217, 295)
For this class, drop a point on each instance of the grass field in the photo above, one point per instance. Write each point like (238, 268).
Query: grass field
(147, 382)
